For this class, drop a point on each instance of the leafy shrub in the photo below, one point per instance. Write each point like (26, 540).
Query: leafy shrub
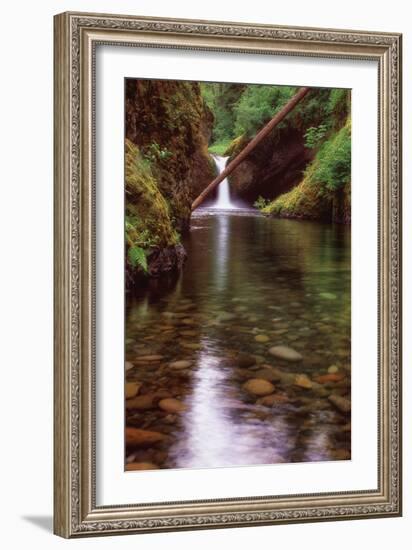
(261, 203)
(258, 105)
(137, 257)
(154, 152)
(333, 167)
(315, 135)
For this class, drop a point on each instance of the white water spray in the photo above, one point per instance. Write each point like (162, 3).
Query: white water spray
(223, 201)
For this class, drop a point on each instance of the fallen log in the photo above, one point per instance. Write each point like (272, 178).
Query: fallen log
(280, 115)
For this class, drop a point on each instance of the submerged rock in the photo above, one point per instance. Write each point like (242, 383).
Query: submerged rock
(326, 378)
(268, 373)
(137, 436)
(182, 364)
(259, 387)
(333, 369)
(303, 381)
(273, 400)
(225, 316)
(286, 353)
(154, 358)
(172, 405)
(262, 338)
(134, 466)
(328, 295)
(141, 403)
(341, 403)
(132, 389)
(244, 361)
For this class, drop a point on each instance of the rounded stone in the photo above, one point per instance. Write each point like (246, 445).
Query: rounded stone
(286, 353)
(134, 466)
(131, 389)
(182, 364)
(172, 405)
(262, 338)
(259, 387)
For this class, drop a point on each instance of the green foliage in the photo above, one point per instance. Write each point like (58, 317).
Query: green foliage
(241, 110)
(148, 223)
(314, 135)
(324, 178)
(155, 153)
(221, 100)
(333, 168)
(338, 101)
(258, 105)
(261, 203)
(137, 257)
(219, 148)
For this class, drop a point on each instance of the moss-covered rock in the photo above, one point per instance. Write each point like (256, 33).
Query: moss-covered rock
(150, 234)
(324, 193)
(171, 124)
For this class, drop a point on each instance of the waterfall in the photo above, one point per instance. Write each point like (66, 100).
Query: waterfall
(223, 201)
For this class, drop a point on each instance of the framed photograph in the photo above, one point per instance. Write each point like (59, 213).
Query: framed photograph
(227, 274)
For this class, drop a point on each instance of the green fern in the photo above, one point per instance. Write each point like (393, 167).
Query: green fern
(137, 258)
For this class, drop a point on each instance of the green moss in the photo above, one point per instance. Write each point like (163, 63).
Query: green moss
(308, 200)
(235, 146)
(219, 148)
(324, 192)
(148, 223)
(170, 123)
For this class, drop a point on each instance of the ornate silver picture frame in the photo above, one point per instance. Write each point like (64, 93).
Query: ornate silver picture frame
(76, 511)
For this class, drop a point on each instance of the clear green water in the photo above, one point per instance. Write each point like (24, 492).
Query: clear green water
(246, 276)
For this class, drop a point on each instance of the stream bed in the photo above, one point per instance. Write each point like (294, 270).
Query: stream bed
(244, 357)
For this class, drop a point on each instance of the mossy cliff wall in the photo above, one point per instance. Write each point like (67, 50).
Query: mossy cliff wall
(171, 124)
(324, 193)
(167, 165)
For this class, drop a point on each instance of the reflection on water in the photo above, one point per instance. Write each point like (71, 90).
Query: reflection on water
(249, 284)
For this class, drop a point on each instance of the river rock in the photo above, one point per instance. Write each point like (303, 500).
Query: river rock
(190, 345)
(172, 405)
(225, 316)
(262, 338)
(328, 295)
(333, 369)
(134, 466)
(326, 378)
(148, 400)
(154, 358)
(268, 373)
(139, 437)
(131, 389)
(188, 321)
(182, 364)
(244, 361)
(141, 403)
(188, 333)
(342, 454)
(341, 403)
(303, 381)
(286, 353)
(273, 400)
(259, 387)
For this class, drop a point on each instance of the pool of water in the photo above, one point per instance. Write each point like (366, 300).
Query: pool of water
(250, 284)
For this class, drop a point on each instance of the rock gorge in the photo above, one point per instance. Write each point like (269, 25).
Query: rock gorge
(301, 170)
